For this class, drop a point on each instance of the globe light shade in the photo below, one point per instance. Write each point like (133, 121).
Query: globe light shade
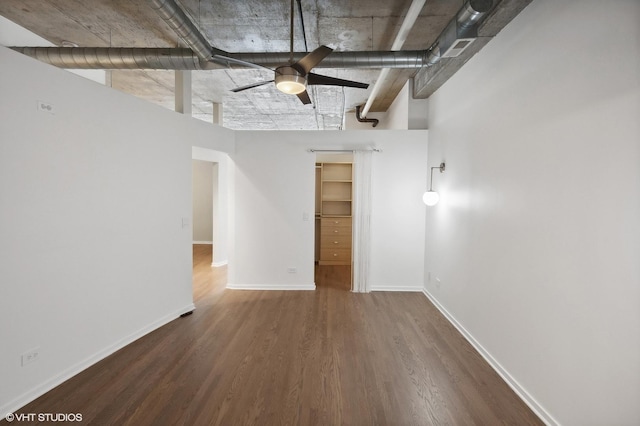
(430, 198)
(291, 84)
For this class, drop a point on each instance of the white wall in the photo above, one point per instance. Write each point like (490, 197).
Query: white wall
(93, 253)
(537, 236)
(203, 187)
(404, 113)
(397, 216)
(397, 116)
(418, 110)
(274, 188)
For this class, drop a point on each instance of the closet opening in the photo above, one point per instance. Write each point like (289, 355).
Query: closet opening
(333, 220)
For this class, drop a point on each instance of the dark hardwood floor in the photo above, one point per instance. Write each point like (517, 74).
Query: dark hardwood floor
(324, 357)
(333, 276)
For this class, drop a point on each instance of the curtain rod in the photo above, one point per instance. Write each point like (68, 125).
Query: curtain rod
(342, 150)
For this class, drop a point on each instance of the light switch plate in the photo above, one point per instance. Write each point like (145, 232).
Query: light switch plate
(44, 106)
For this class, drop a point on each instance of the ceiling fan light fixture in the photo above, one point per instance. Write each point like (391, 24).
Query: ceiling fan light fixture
(289, 81)
(291, 87)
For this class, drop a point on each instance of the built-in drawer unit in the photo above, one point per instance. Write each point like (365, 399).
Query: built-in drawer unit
(331, 256)
(335, 241)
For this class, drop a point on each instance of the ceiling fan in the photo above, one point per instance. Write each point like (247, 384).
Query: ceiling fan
(294, 77)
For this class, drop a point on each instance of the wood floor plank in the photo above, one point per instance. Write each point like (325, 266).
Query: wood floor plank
(329, 357)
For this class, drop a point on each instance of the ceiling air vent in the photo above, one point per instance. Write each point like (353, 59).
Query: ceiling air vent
(457, 47)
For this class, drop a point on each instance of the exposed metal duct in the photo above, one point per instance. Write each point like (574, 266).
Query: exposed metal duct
(464, 23)
(460, 32)
(185, 59)
(117, 58)
(433, 57)
(472, 12)
(182, 25)
(402, 59)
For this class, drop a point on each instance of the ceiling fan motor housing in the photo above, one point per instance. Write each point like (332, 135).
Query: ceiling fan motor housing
(290, 80)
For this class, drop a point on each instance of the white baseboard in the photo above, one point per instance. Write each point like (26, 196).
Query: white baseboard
(68, 373)
(203, 242)
(502, 372)
(409, 288)
(219, 264)
(271, 286)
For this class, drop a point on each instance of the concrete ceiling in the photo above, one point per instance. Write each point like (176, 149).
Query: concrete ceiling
(257, 26)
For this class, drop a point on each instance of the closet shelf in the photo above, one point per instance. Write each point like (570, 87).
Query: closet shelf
(334, 192)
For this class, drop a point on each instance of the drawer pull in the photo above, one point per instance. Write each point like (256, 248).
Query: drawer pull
(335, 254)
(335, 242)
(336, 222)
(336, 231)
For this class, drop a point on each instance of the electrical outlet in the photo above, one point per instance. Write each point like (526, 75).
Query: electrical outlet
(292, 270)
(30, 356)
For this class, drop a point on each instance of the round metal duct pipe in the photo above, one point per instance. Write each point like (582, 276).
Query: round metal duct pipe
(400, 59)
(116, 58)
(434, 56)
(178, 20)
(185, 59)
(472, 12)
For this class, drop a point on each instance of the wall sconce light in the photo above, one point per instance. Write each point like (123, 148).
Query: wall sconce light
(431, 197)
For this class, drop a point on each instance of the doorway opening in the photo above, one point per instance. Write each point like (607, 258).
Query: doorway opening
(210, 181)
(333, 221)
(205, 176)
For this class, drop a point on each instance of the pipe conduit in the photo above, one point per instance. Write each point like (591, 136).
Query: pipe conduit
(367, 59)
(185, 59)
(116, 58)
(202, 56)
(401, 37)
(179, 22)
(375, 121)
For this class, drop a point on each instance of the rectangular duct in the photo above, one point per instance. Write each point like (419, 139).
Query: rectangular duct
(460, 32)
(458, 46)
(455, 39)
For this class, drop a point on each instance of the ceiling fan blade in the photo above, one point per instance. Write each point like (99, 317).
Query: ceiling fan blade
(228, 61)
(317, 79)
(312, 59)
(304, 97)
(251, 86)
